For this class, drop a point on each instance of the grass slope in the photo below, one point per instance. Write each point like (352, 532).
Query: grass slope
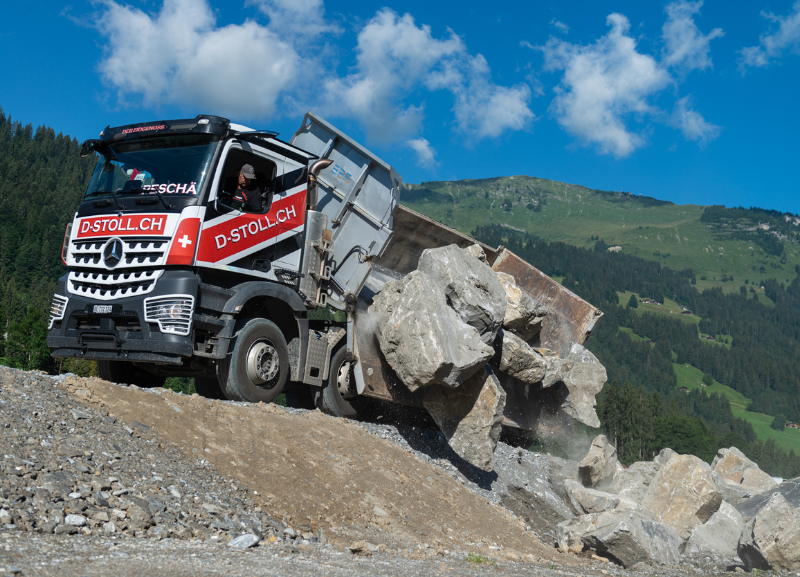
(691, 378)
(643, 226)
(673, 309)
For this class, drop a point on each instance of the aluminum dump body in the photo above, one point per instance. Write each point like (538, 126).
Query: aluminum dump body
(358, 193)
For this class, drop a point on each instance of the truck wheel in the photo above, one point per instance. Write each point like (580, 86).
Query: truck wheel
(257, 367)
(208, 387)
(125, 372)
(338, 396)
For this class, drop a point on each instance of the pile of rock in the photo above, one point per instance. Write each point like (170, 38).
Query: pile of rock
(467, 337)
(69, 470)
(677, 505)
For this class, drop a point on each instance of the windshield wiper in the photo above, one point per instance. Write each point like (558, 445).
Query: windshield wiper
(111, 192)
(161, 198)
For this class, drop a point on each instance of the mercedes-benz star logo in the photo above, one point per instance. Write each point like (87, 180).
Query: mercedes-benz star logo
(113, 252)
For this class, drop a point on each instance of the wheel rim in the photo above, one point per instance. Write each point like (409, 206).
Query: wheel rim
(343, 380)
(263, 364)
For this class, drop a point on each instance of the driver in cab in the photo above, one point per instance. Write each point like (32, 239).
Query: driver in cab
(247, 193)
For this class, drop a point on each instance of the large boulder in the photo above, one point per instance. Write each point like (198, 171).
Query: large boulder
(422, 339)
(733, 493)
(599, 465)
(634, 481)
(625, 536)
(771, 539)
(664, 455)
(790, 490)
(556, 368)
(719, 535)
(561, 471)
(470, 286)
(583, 382)
(731, 464)
(757, 481)
(470, 417)
(517, 359)
(585, 501)
(524, 313)
(683, 494)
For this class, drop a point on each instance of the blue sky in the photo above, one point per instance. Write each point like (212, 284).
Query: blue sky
(686, 101)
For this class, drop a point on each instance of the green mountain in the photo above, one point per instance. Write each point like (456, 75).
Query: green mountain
(724, 247)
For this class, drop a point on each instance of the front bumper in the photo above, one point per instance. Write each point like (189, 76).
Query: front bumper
(121, 333)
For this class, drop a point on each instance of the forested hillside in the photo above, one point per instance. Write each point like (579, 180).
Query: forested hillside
(644, 409)
(42, 179)
(723, 246)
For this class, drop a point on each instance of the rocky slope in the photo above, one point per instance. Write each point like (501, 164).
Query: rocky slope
(100, 475)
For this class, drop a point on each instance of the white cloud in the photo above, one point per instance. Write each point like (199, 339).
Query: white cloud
(426, 155)
(395, 58)
(305, 18)
(772, 45)
(180, 56)
(603, 84)
(560, 25)
(487, 109)
(692, 123)
(686, 48)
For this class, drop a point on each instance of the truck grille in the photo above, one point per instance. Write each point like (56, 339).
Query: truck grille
(110, 286)
(137, 252)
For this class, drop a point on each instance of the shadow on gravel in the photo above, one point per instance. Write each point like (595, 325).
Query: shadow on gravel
(422, 434)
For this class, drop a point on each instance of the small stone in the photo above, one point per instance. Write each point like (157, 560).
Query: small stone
(65, 529)
(75, 520)
(362, 548)
(289, 532)
(78, 415)
(109, 527)
(75, 495)
(244, 541)
(380, 512)
(101, 516)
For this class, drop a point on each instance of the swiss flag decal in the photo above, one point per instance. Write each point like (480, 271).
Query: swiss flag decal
(184, 242)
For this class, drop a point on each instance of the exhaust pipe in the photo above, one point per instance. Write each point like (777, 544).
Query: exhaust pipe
(312, 181)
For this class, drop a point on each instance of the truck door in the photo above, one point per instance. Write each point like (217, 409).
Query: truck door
(240, 230)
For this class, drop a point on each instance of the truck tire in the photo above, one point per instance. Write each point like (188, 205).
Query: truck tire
(337, 397)
(125, 372)
(257, 367)
(208, 387)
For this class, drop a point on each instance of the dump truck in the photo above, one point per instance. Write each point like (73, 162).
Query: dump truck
(170, 275)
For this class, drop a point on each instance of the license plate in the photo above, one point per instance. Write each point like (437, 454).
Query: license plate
(102, 309)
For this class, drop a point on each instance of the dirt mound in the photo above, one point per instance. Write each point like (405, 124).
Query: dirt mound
(314, 469)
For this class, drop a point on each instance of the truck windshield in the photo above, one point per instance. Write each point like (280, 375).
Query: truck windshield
(175, 165)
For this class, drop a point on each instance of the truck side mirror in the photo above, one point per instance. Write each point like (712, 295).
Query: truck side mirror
(88, 147)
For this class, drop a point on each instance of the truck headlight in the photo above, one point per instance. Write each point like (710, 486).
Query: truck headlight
(57, 309)
(172, 313)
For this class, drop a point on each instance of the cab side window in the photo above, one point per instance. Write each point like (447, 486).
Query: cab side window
(253, 194)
